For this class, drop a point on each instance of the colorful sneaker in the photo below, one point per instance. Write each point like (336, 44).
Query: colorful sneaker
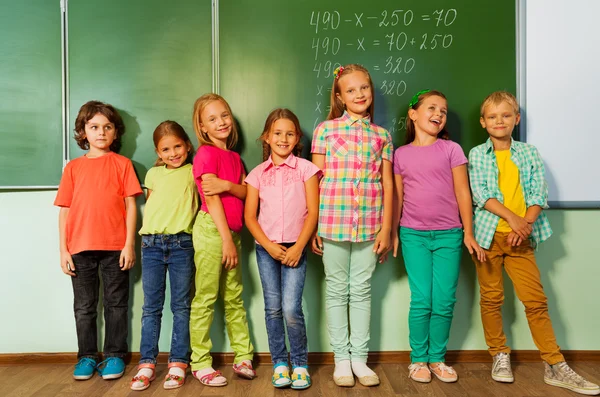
(111, 368)
(84, 369)
(562, 375)
(419, 372)
(501, 370)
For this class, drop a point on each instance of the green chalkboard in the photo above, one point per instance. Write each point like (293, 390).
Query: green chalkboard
(30, 99)
(150, 59)
(275, 53)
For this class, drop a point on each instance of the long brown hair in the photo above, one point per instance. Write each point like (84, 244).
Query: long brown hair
(171, 128)
(277, 114)
(410, 125)
(199, 106)
(336, 106)
(87, 112)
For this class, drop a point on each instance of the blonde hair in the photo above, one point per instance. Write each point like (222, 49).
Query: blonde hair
(275, 115)
(496, 98)
(411, 133)
(336, 106)
(199, 106)
(172, 128)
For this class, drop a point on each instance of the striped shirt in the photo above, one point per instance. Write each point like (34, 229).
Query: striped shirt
(351, 192)
(483, 174)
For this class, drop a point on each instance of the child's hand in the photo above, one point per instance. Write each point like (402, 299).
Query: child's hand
(520, 226)
(317, 244)
(230, 258)
(513, 239)
(211, 185)
(292, 256)
(127, 258)
(382, 245)
(474, 248)
(277, 251)
(66, 263)
(395, 242)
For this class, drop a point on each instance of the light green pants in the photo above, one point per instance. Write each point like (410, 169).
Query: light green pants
(212, 278)
(348, 270)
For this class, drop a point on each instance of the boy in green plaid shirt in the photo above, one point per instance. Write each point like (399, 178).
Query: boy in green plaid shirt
(509, 193)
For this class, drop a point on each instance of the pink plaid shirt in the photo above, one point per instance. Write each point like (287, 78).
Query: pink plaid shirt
(351, 193)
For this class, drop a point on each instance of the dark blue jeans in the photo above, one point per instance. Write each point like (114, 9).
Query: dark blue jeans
(115, 291)
(160, 252)
(282, 290)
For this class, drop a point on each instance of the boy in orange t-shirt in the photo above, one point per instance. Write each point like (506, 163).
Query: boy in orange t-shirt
(97, 221)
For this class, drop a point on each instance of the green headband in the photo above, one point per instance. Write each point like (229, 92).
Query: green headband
(415, 97)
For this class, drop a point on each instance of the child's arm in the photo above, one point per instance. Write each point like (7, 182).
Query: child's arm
(382, 241)
(465, 207)
(127, 258)
(317, 242)
(211, 186)
(66, 262)
(294, 253)
(398, 201)
(217, 212)
(277, 251)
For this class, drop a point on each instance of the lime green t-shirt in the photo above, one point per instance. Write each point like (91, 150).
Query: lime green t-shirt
(173, 202)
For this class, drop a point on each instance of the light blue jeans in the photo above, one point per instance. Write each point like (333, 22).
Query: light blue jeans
(348, 270)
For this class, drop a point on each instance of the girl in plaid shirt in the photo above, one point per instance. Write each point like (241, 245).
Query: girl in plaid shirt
(432, 197)
(355, 213)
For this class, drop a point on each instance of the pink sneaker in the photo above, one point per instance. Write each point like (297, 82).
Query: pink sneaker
(419, 372)
(443, 372)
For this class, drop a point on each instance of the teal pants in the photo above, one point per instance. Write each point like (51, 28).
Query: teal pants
(348, 270)
(212, 280)
(432, 260)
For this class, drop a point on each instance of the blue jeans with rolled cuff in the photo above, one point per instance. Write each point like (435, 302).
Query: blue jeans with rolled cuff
(282, 290)
(175, 253)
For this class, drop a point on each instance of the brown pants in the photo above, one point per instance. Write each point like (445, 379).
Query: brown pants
(522, 269)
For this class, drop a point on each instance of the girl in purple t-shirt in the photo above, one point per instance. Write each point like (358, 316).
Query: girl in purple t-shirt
(432, 197)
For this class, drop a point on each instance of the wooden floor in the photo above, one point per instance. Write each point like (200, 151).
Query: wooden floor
(475, 380)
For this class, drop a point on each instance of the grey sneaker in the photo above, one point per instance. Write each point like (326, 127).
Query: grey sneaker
(501, 370)
(562, 375)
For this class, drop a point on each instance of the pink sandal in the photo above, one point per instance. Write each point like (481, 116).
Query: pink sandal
(244, 370)
(142, 382)
(207, 380)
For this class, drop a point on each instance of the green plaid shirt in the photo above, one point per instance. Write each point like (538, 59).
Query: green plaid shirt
(483, 175)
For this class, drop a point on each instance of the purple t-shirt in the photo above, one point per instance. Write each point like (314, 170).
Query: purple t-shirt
(226, 165)
(429, 199)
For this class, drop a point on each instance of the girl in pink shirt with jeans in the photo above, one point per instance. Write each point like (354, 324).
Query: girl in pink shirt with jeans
(287, 189)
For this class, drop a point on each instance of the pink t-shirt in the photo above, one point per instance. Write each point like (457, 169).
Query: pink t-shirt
(429, 199)
(226, 165)
(282, 196)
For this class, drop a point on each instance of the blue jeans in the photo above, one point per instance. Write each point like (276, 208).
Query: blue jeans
(160, 252)
(282, 289)
(115, 295)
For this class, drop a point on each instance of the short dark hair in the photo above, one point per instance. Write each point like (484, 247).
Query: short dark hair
(87, 112)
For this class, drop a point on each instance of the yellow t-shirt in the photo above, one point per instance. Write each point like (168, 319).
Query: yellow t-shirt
(510, 186)
(173, 203)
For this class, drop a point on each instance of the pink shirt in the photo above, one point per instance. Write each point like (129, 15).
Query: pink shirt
(282, 196)
(226, 165)
(429, 199)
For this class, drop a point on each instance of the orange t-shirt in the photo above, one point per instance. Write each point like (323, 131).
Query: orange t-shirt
(94, 190)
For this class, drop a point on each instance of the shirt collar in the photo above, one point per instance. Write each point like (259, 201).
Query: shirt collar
(351, 120)
(489, 145)
(291, 162)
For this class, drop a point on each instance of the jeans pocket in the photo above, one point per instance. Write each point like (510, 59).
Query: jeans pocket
(147, 241)
(185, 242)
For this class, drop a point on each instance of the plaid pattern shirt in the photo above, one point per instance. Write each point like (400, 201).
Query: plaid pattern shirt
(351, 192)
(483, 175)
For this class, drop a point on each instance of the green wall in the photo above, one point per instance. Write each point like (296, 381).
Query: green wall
(37, 299)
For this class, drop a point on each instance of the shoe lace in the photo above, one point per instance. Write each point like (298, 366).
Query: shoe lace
(503, 362)
(86, 361)
(443, 367)
(569, 373)
(414, 367)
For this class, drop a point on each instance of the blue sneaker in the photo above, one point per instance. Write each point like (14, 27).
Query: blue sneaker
(84, 369)
(111, 368)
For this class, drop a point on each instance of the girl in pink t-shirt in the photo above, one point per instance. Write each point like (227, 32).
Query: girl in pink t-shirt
(219, 174)
(287, 189)
(432, 197)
